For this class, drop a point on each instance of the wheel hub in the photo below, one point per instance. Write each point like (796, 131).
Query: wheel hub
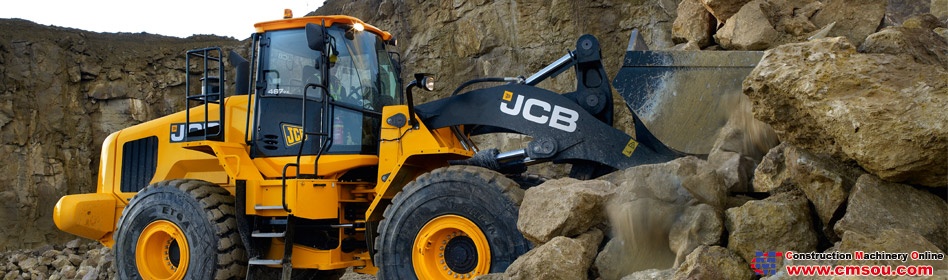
(162, 251)
(460, 254)
(450, 247)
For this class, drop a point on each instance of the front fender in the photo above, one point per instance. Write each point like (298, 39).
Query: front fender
(87, 215)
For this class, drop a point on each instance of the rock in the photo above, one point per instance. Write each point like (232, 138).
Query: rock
(792, 18)
(779, 223)
(565, 207)
(560, 258)
(653, 202)
(693, 24)
(916, 37)
(28, 264)
(740, 146)
(749, 29)
(713, 262)
(824, 97)
(890, 241)
(735, 169)
(612, 262)
(825, 181)
(855, 19)
(74, 244)
(664, 181)
(940, 9)
(771, 174)
(492, 276)
(650, 274)
(875, 205)
(700, 225)
(724, 9)
(897, 11)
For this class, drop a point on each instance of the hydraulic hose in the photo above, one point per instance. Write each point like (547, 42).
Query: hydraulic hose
(518, 80)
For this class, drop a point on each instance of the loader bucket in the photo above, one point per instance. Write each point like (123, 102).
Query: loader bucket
(683, 97)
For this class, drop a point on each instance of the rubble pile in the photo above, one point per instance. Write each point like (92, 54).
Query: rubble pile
(862, 163)
(77, 259)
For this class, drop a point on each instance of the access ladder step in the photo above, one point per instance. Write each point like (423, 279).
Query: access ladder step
(256, 261)
(268, 234)
(267, 207)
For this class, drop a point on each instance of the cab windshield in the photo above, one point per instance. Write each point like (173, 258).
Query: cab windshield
(361, 72)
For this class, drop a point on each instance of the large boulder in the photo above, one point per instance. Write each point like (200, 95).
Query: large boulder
(714, 262)
(939, 9)
(564, 207)
(560, 258)
(700, 225)
(681, 198)
(855, 19)
(724, 9)
(897, 11)
(748, 29)
(885, 112)
(890, 241)
(875, 205)
(915, 37)
(779, 223)
(825, 181)
(693, 24)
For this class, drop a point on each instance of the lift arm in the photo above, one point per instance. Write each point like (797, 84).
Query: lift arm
(566, 128)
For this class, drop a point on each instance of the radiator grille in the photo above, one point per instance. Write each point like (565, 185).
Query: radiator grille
(139, 161)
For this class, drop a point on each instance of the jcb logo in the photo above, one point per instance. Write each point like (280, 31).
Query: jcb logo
(540, 112)
(292, 134)
(179, 134)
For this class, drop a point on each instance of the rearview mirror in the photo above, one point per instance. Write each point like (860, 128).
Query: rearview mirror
(316, 37)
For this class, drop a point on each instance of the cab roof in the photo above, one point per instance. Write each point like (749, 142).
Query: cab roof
(300, 22)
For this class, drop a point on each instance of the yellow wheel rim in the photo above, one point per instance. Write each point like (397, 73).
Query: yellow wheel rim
(162, 251)
(450, 247)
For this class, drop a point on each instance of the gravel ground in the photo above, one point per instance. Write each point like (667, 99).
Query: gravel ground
(77, 259)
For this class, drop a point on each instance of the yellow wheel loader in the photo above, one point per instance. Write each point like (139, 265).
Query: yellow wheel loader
(319, 161)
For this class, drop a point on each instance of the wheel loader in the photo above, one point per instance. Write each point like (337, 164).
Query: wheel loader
(318, 160)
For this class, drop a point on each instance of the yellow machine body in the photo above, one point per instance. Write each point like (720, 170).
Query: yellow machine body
(416, 150)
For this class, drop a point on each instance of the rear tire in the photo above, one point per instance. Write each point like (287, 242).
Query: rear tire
(465, 216)
(179, 229)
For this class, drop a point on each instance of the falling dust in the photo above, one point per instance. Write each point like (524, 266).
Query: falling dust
(643, 224)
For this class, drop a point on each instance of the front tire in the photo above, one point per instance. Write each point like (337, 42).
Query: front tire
(179, 229)
(453, 222)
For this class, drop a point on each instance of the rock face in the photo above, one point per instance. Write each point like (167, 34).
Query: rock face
(884, 112)
(565, 207)
(875, 205)
(62, 91)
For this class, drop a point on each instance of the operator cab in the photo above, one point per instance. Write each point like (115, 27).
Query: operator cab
(362, 78)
